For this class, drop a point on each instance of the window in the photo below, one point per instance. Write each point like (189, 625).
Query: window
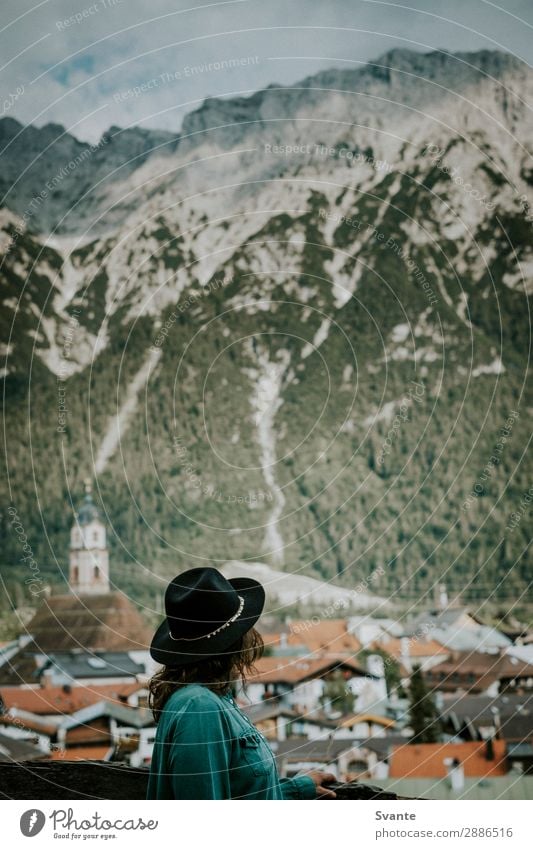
(95, 536)
(75, 574)
(96, 571)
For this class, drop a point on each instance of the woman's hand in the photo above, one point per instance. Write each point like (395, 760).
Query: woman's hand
(321, 779)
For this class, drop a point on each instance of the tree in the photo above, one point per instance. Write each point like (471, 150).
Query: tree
(391, 670)
(336, 695)
(423, 714)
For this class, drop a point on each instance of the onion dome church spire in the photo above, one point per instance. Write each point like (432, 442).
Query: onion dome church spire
(88, 556)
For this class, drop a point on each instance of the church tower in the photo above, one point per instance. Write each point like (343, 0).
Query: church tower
(88, 556)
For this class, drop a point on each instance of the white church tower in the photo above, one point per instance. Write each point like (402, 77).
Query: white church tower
(88, 556)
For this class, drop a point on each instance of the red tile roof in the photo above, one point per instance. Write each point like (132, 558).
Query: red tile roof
(415, 648)
(426, 760)
(373, 718)
(293, 670)
(56, 700)
(326, 636)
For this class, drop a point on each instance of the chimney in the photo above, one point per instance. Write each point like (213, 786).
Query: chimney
(456, 774)
(404, 652)
(47, 679)
(497, 721)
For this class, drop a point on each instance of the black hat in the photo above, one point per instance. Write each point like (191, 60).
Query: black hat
(206, 615)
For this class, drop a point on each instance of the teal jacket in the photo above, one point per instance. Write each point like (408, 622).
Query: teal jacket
(207, 748)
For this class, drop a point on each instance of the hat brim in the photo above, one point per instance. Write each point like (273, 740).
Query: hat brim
(164, 649)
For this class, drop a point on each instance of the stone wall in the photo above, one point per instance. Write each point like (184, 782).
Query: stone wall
(99, 780)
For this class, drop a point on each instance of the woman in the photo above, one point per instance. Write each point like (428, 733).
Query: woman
(206, 747)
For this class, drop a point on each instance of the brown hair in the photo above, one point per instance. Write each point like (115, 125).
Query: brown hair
(218, 672)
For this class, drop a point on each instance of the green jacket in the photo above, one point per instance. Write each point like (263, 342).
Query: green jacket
(207, 748)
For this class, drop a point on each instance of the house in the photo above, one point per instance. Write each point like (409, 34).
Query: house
(92, 667)
(376, 752)
(306, 685)
(370, 630)
(506, 716)
(50, 701)
(481, 672)
(32, 669)
(456, 761)
(103, 730)
(411, 652)
(365, 725)
(314, 636)
(17, 750)
(518, 734)
(107, 730)
(72, 668)
(480, 717)
(278, 723)
(342, 757)
(28, 728)
(457, 629)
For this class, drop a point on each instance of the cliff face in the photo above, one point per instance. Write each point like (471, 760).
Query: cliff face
(292, 333)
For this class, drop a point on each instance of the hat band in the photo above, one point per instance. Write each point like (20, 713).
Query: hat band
(213, 633)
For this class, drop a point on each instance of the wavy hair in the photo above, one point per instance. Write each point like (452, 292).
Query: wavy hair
(219, 672)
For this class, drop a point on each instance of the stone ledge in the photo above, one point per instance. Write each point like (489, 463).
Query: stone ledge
(100, 780)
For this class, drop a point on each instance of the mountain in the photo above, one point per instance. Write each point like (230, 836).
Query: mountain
(297, 332)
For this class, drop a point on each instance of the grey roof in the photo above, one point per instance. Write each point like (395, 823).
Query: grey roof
(445, 630)
(438, 618)
(17, 750)
(135, 717)
(272, 709)
(327, 749)
(518, 728)
(95, 664)
(381, 745)
(478, 709)
(520, 750)
(391, 626)
(479, 637)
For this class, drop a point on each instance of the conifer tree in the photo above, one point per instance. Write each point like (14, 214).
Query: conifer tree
(423, 714)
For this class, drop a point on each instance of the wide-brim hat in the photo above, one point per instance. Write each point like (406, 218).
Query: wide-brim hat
(206, 614)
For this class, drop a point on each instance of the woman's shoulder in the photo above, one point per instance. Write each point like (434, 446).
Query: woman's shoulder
(194, 706)
(196, 693)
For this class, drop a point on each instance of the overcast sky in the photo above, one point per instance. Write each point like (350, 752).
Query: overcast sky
(80, 73)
